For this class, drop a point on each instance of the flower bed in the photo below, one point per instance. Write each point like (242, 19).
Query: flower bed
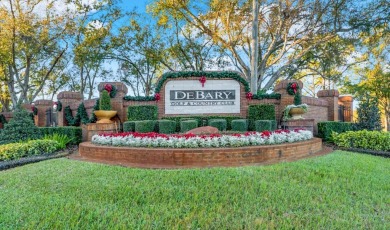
(153, 140)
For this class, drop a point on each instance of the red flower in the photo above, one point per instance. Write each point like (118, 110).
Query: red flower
(202, 80)
(266, 133)
(249, 96)
(157, 97)
(108, 87)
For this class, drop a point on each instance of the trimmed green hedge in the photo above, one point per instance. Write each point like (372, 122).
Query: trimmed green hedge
(75, 133)
(187, 125)
(202, 120)
(128, 126)
(274, 125)
(34, 147)
(262, 125)
(145, 126)
(363, 139)
(260, 112)
(166, 126)
(326, 128)
(142, 112)
(220, 124)
(240, 125)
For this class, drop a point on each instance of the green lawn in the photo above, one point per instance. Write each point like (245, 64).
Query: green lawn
(338, 191)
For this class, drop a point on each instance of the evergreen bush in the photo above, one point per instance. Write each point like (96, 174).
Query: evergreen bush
(262, 125)
(260, 112)
(105, 101)
(274, 125)
(187, 125)
(202, 120)
(240, 125)
(129, 126)
(145, 126)
(166, 126)
(142, 112)
(363, 139)
(326, 128)
(369, 116)
(20, 128)
(220, 124)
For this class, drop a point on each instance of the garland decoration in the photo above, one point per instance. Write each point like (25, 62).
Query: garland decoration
(157, 97)
(202, 80)
(267, 96)
(139, 98)
(81, 115)
(292, 88)
(34, 110)
(111, 89)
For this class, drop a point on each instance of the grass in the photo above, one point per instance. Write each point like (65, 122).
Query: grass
(341, 190)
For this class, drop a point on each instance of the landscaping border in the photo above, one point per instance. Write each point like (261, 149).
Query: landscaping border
(199, 157)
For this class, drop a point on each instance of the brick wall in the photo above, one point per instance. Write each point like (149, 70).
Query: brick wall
(202, 157)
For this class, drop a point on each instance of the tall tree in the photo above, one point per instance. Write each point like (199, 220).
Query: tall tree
(288, 29)
(32, 42)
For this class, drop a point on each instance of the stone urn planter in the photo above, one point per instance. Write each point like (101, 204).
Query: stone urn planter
(104, 116)
(296, 113)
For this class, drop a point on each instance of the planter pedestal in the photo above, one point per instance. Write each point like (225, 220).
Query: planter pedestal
(104, 116)
(296, 113)
(91, 129)
(307, 124)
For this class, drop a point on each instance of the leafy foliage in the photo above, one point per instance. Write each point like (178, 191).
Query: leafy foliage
(368, 113)
(61, 139)
(260, 112)
(20, 128)
(326, 128)
(298, 98)
(166, 126)
(218, 123)
(138, 98)
(371, 140)
(73, 133)
(145, 126)
(267, 96)
(240, 125)
(128, 126)
(187, 125)
(142, 112)
(202, 120)
(33, 147)
(263, 125)
(81, 115)
(2, 119)
(105, 101)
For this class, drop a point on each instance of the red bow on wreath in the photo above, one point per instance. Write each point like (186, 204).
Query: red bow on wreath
(294, 87)
(202, 80)
(157, 97)
(108, 87)
(249, 96)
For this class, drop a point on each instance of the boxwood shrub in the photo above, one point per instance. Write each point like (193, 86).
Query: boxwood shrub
(142, 112)
(260, 112)
(202, 120)
(240, 125)
(145, 126)
(166, 126)
(74, 133)
(129, 126)
(187, 125)
(273, 125)
(220, 124)
(326, 128)
(14, 151)
(262, 125)
(363, 139)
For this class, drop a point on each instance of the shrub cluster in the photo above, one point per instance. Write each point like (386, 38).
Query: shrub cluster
(142, 112)
(128, 126)
(202, 120)
(166, 126)
(74, 133)
(326, 128)
(21, 127)
(187, 125)
(240, 125)
(220, 124)
(260, 112)
(371, 140)
(145, 126)
(33, 147)
(262, 125)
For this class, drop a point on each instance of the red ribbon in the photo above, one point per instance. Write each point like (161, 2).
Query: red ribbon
(157, 97)
(108, 87)
(294, 87)
(249, 96)
(202, 80)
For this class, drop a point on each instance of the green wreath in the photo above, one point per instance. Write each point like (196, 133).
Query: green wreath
(292, 88)
(111, 89)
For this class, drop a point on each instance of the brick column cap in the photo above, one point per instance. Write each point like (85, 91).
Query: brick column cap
(328, 93)
(121, 87)
(69, 95)
(346, 98)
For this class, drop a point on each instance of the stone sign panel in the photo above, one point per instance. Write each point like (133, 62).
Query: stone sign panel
(190, 97)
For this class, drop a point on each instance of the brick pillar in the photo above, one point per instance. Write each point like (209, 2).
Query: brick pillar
(117, 101)
(286, 99)
(347, 101)
(332, 96)
(67, 98)
(42, 106)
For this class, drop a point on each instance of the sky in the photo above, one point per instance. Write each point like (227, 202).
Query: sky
(139, 4)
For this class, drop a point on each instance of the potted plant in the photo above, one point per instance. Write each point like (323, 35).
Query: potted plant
(105, 112)
(295, 110)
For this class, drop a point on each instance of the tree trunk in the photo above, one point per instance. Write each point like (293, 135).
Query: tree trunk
(254, 45)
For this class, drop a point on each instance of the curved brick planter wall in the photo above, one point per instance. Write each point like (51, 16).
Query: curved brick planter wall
(203, 157)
